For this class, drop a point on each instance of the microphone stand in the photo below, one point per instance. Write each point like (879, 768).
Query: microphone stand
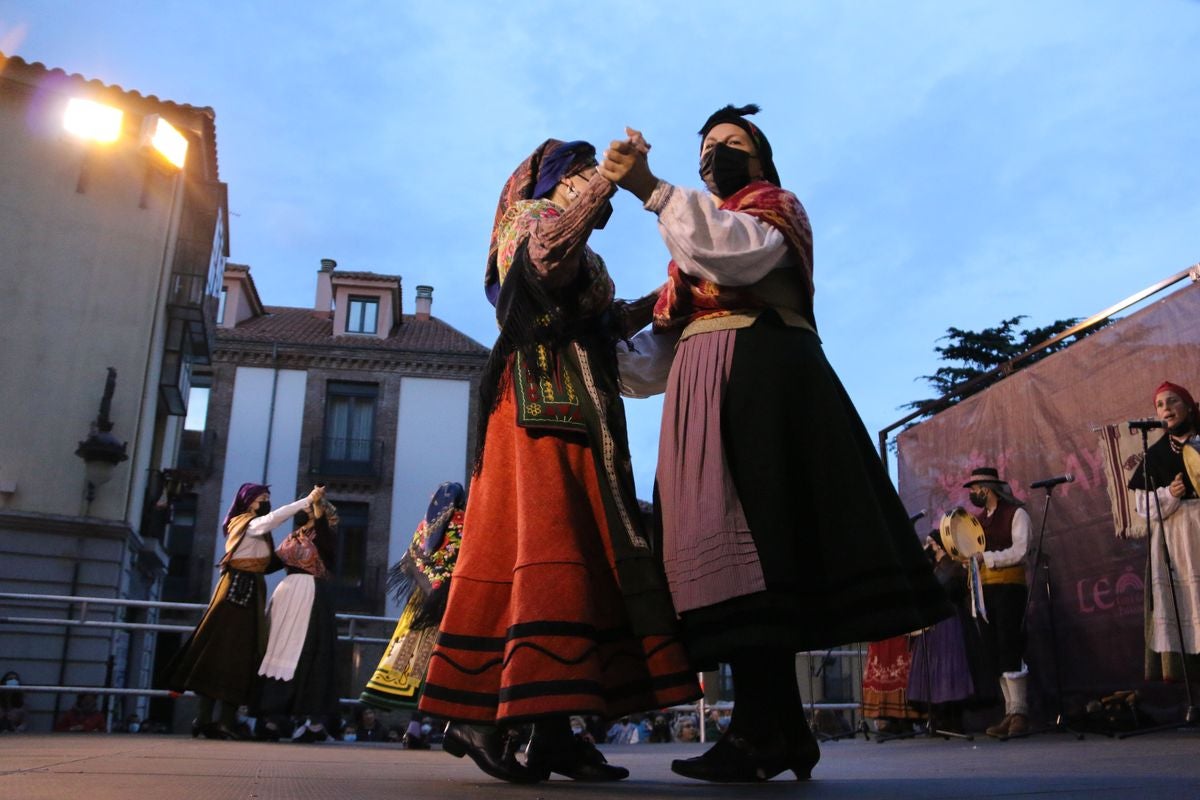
(821, 736)
(1191, 715)
(1042, 561)
(931, 728)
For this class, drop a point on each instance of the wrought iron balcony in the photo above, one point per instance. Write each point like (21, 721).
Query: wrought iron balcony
(335, 457)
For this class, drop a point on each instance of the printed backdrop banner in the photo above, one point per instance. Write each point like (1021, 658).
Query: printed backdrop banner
(1067, 413)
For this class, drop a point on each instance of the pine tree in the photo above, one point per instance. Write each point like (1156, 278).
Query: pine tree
(971, 354)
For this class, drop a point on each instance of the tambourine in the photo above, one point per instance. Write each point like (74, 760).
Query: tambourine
(1191, 461)
(962, 535)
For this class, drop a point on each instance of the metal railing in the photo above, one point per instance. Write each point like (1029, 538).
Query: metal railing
(352, 623)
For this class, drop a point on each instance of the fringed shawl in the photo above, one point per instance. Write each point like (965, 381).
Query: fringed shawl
(426, 567)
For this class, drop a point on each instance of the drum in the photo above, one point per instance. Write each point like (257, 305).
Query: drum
(962, 535)
(1191, 461)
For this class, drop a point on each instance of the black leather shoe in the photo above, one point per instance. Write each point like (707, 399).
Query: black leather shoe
(552, 749)
(215, 730)
(490, 749)
(734, 759)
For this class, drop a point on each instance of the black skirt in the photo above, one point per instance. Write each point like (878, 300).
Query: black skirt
(840, 559)
(220, 659)
(312, 691)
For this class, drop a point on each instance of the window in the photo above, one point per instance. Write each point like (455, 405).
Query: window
(221, 305)
(349, 443)
(362, 314)
(350, 562)
(197, 407)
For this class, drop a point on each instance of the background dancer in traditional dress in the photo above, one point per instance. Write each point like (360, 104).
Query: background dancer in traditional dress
(781, 531)
(1180, 511)
(557, 606)
(220, 660)
(420, 584)
(298, 672)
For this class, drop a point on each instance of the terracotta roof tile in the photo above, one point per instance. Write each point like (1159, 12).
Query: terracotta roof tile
(369, 276)
(307, 326)
(199, 118)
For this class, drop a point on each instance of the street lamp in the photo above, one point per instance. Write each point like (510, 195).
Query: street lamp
(101, 451)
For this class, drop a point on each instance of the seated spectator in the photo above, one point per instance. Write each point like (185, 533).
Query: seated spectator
(12, 705)
(580, 729)
(394, 735)
(686, 730)
(349, 734)
(660, 731)
(370, 729)
(83, 717)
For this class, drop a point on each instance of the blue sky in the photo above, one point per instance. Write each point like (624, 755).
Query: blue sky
(961, 161)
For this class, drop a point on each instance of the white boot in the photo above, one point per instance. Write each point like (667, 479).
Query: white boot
(1017, 703)
(1000, 729)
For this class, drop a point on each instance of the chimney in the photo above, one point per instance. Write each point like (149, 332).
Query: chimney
(424, 301)
(325, 285)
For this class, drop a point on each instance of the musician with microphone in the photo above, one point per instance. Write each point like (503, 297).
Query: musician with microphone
(1006, 527)
(1174, 512)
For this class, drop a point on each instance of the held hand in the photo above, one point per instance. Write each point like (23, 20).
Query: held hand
(637, 140)
(625, 164)
(1178, 488)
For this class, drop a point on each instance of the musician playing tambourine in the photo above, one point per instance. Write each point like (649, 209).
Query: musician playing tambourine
(1006, 526)
(1172, 471)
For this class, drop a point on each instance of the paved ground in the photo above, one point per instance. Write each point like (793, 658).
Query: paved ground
(145, 767)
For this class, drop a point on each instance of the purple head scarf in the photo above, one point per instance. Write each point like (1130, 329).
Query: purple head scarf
(241, 502)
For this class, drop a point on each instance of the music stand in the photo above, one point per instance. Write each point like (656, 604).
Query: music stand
(1041, 560)
(1191, 715)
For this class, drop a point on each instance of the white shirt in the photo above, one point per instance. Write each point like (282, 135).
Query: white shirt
(727, 247)
(257, 541)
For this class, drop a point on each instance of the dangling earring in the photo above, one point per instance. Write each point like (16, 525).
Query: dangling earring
(571, 193)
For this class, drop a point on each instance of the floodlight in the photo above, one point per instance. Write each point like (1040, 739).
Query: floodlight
(92, 120)
(160, 135)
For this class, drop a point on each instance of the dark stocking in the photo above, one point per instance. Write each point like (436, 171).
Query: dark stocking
(204, 709)
(766, 696)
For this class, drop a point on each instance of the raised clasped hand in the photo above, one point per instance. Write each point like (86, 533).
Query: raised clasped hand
(626, 165)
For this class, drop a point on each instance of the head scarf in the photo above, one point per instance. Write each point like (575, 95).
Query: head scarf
(1167, 386)
(523, 185)
(737, 116)
(426, 567)
(558, 164)
(241, 502)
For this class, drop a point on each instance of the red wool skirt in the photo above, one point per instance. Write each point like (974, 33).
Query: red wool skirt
(536, 623)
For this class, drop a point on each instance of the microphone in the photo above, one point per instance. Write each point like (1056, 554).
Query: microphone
(916, 516)
(1148, 424)
(1049, 482)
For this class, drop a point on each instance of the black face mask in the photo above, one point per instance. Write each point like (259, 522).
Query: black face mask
(262, 509)
(725, 170)
(978, 499)
(605, 213)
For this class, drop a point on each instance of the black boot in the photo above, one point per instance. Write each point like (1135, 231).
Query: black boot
(491, 749)
(767, 734)
(735, 759)
(554, 748)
